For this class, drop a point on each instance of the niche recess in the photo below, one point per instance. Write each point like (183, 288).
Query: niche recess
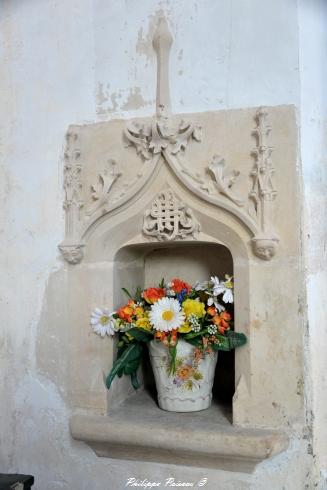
(145, 265)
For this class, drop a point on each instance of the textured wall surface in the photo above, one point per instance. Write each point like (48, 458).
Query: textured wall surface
(91, 60)
(313, 76)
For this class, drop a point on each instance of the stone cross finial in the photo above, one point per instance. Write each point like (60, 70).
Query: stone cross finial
(162, 41)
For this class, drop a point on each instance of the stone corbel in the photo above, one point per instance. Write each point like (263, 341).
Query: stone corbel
(263, 192)
(72, 253)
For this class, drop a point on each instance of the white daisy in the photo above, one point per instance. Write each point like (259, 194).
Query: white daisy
(102, 322)
(166, 315)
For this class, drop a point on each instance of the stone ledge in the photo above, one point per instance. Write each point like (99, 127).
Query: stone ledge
(139, 430)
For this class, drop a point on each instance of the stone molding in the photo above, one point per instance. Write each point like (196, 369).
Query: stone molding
(122, 435)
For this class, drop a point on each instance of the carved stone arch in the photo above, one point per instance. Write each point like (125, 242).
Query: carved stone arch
(129, 220)
(109, 245)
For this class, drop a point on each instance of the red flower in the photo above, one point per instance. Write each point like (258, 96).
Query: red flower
(178, 286)
(151, 295)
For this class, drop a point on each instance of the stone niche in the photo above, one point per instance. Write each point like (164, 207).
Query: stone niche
(188, 195)
(113, 240)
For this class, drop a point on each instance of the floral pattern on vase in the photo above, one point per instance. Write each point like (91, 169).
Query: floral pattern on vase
(189, 388)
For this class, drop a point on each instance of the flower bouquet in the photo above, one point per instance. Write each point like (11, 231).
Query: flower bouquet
(185, 327)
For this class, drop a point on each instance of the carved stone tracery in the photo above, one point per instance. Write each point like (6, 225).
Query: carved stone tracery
(263, 191)
(70, 248)
(169, 218)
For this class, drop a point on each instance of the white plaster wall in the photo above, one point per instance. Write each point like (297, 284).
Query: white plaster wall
(86, 60)
(313, 74)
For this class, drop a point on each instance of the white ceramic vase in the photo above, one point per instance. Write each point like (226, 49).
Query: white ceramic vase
(190, 388)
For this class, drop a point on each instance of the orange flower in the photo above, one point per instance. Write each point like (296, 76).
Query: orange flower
(222, 321)
(211, 310)
(177, 285)
(162, 336)
(185, 372)
(151, 295)
(226, 316)
(173, 338)
(126, 312)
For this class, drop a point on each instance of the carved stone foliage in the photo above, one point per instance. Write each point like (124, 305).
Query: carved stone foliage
(166, 140)
(224, 182)
(169, 218)
(100, 192)
(72, 184)
(263, 191)
(70, 248)
(161, 135)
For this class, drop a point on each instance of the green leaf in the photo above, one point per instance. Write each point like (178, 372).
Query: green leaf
(172, 352)
(196, 341)
(127, 292)
(162, 283)
(135, 381)
(128, 362)
(192, 335)
(131, 367)
(138, 294)
(235, 339)
(140, 334)
(231, 340)
(223, 343)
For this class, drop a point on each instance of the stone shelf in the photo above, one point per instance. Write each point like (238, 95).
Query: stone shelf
(139, 430)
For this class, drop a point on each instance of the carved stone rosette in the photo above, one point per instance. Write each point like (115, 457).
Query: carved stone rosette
(169, 219)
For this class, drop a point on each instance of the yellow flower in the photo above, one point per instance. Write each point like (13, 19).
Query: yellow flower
(185, 328)
(139, 312)
(193, 307)
(143, 323)
(229, 282)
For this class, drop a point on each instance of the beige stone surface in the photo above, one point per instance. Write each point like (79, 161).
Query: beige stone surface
(117, 253)
(198, 439)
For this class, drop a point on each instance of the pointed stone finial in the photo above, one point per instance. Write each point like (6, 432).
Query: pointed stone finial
(162, 41)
